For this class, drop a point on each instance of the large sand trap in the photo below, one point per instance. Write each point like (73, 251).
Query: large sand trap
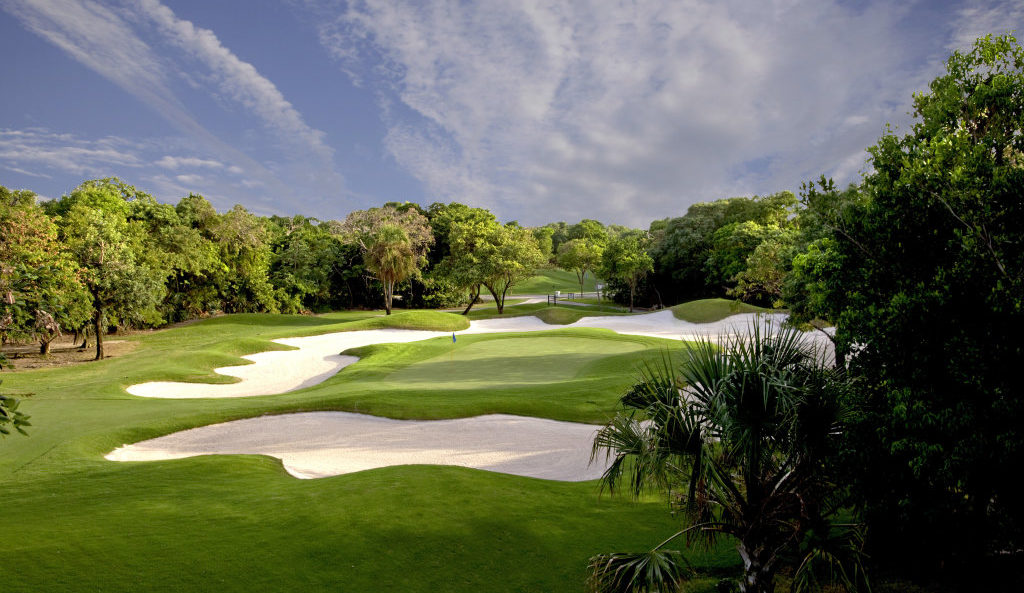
(321, 444)
(317, 358)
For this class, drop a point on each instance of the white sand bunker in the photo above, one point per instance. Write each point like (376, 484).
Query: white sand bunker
(317, 358)
(321, 444)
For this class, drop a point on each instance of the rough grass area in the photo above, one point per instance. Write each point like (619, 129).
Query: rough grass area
(708, 310)
(548, 280)
(239, 523)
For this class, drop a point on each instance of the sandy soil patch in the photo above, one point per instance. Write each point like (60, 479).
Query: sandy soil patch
(63, 351)
(321, 444)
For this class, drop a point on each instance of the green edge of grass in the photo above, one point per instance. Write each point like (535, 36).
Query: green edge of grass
(709, 310)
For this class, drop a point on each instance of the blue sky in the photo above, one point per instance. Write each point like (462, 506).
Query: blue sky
(540, 111)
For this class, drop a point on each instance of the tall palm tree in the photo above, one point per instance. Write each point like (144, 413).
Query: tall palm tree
(740, 435)
(391, 258)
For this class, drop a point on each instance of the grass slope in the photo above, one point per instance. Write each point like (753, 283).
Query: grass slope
(708, 310)
(554, 315)
(548, 280)
(239, 523)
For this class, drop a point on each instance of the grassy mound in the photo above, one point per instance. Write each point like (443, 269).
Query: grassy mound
(708, 310)
(555, 315)
(418, 320)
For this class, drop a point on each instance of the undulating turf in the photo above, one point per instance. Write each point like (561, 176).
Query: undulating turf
(708, 310)
(76, 522)
(552, 314)
(548, 280)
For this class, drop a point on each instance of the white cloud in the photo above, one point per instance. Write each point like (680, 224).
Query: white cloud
(170, 162)
(633, 110)
(238, 79)
(126, 43)
(35, 151)
(979, 19)
(189, 179)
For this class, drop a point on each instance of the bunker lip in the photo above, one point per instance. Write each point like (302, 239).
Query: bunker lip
(321, 444)
(316, 358)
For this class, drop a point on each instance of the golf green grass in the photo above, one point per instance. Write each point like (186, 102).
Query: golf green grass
(708, 310)
(551, 314)
(76, 522)
(548, 280)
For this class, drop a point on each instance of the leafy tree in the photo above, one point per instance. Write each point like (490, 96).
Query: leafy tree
(10, 416)
(467, 231)
(580, 256)
(766, 269)
(591, 230)
(545, 241)
(742, 436)
(243, 281)
(508, 256)
(108, 248)
(682, 247)
(40, 291)
(626, 259)
(925, 281)
(394, 243)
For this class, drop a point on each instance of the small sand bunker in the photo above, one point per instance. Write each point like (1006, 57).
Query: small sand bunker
(321, 444)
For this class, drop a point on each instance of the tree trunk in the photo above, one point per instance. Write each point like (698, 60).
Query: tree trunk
(499, 302)
(474, 294)
(758, 570)
(44, 346)
(97, 323)
(631, 290)
(388, 287)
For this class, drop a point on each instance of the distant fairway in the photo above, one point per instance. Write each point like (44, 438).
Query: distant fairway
(548, 280)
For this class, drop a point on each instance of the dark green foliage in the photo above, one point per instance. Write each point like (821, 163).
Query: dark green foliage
(687, 261)
(743, 437)
(924, 277)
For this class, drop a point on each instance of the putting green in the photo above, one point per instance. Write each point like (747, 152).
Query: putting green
(513, 361)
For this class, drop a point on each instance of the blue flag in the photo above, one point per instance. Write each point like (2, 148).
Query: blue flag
(453, 337)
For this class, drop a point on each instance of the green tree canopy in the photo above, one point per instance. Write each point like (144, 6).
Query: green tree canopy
(625, 259)
(924, 278)
(508, 255)
(580, 256)
(394, 243)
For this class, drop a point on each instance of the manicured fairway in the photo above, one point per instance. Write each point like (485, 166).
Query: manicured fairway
(548, 280)
(76, 522)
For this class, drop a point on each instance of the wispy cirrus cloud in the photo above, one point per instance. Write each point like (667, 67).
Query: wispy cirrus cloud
(627, 111)
(126, 43)
(39, 150)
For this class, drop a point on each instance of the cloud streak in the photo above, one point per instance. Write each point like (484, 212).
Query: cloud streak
(110, 42)
(628, 111)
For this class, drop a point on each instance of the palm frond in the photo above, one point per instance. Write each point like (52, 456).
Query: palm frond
(657, 570)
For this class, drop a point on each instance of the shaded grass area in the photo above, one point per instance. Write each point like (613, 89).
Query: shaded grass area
(548, 280)
(708, 310)
(233, 523)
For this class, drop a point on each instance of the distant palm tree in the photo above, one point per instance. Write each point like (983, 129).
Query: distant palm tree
(391, 258)
(740, 436)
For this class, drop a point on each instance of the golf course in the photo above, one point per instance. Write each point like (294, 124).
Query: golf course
(241, 522)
